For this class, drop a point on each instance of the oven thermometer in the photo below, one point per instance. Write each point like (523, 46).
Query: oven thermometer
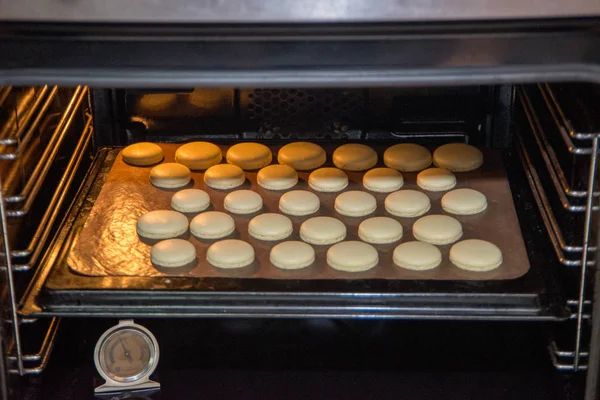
(125, 356)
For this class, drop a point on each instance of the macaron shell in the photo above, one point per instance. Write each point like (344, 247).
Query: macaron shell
(212, 225)
(161, 224)
(407, 157)
(292, 255)
(270, 226)
(170, 175)
(142, 154)
(302, 156)
(198, 155)
(383, 180)
(464, 202)
(380, 230)
(224, 176)
(407, 203)
(249, 155)
(299, 202)
(172, 253)
(437, 229)
(354, 157)
(436, 179)
(476, 255)
(190, 200)
(243, 202)
(322, 230)
(417, 256)
(355, 203)
(328, 180)
(230, 253)
(277, 177)
(458, 157)
(352, 256)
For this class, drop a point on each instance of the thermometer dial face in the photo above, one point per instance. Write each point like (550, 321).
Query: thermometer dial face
(126, 354)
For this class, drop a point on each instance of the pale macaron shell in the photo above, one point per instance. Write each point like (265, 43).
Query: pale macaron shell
(407, 157)
(142, 154)
(302, 156)
(355, 203)
(277, 177)
(243, 202)
(170, 175)
(328, 180)
(230, 253)
(172, 253)
(212, 225)
(436, 179)
(354, 157)
(198, 155)
(322, 230)
(458, 157)
(383, 180)
(292, 254)
(476, 255)
(224, 176)
(464, 202)
(437, 229)
(380, 230)
(270, 226)
(190, 200)
(161, 224)
(249, 155)
(417, 256)
(299, 202)
(352, 256)
(407, 203)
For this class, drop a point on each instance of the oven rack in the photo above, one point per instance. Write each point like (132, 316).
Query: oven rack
(56, 291)
(564, 249)
(72, 135)
(579, 144)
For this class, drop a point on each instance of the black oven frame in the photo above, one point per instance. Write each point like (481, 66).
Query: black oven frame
(307, 55)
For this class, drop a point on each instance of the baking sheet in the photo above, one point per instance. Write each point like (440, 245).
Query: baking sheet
(108, 244)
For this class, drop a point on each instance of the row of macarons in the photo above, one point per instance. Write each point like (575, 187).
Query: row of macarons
(347, 256)
(436, 229)
(283, 177)
(354, 203)
(303, 156)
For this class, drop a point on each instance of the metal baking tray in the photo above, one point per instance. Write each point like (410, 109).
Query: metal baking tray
(57, 290)
(109, 246)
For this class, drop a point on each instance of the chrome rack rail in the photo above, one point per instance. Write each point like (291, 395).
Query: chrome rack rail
(563, 360)
(559, 243)
(15, 147)
(26, 128)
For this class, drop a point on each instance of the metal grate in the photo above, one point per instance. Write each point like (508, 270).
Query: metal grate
(301, 106)
(583, 147)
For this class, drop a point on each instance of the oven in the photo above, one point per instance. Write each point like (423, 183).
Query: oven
(81, 83)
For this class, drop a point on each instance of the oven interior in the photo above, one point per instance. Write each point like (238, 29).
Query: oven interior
(56, 144)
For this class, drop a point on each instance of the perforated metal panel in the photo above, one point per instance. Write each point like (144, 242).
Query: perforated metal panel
(285, 107)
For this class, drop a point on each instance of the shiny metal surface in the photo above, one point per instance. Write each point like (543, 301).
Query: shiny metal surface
(37, 177)
(555, 170)
(289, 11)
(40, 358)
(56, 291)
(34, 249)
(552, 226)
(16, 329)
(586, 243)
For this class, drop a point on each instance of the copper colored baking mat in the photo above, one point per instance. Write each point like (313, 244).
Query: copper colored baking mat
(109, 246)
